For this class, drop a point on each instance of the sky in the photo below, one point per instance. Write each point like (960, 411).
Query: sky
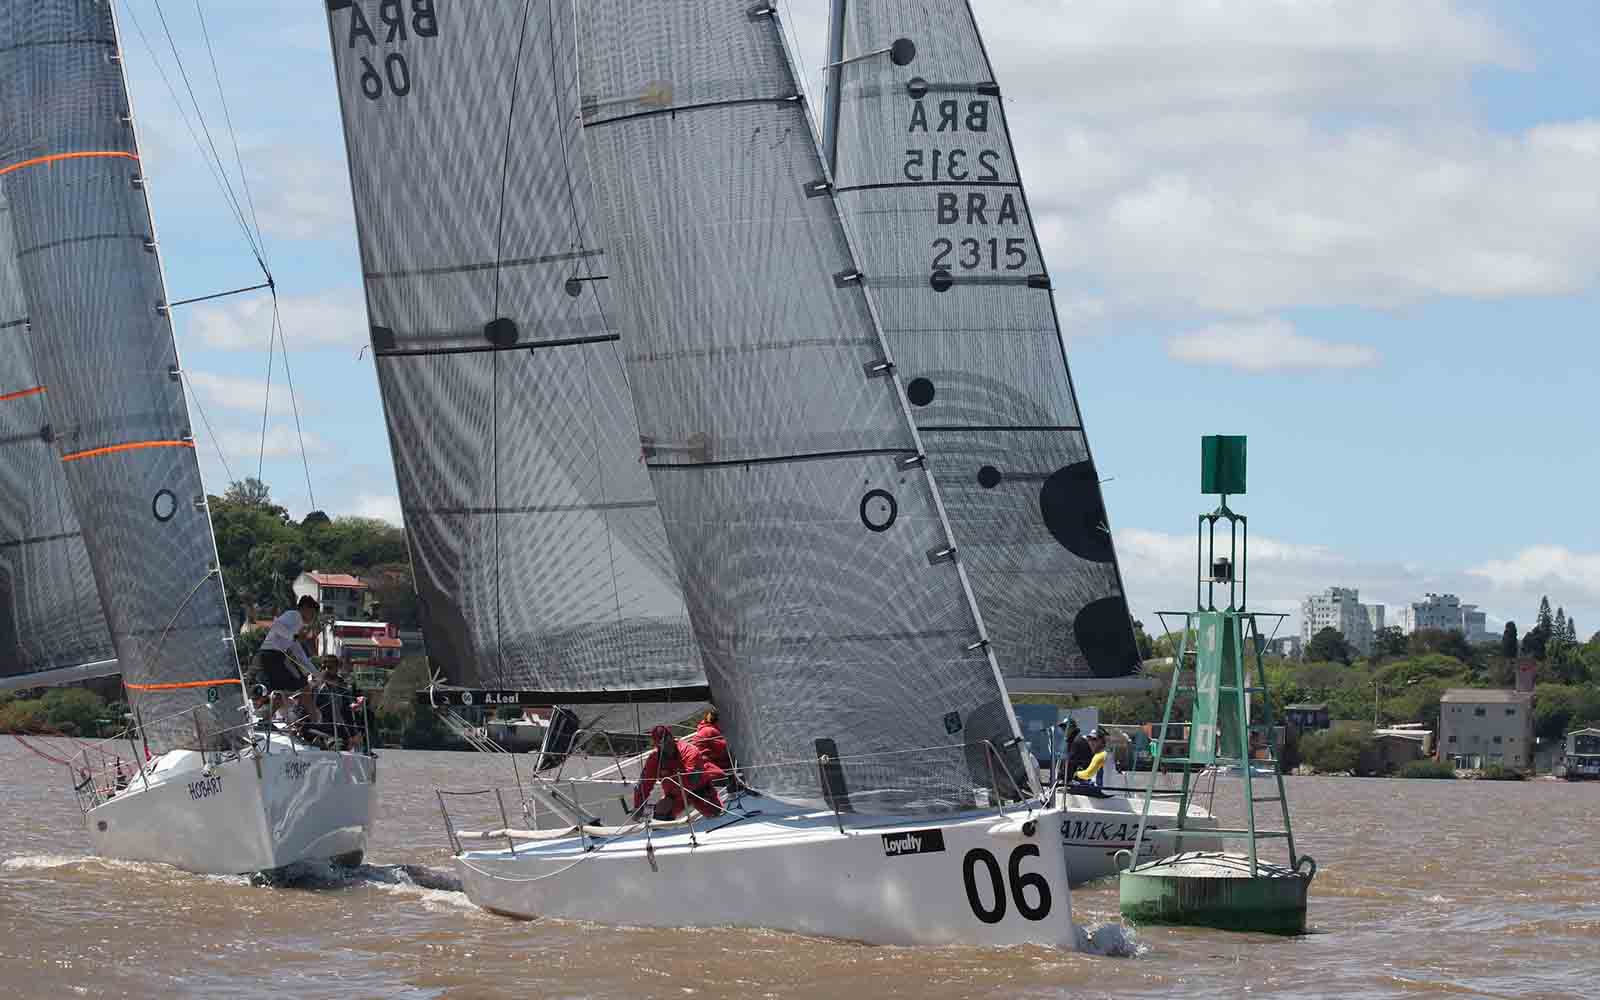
(1364, 234)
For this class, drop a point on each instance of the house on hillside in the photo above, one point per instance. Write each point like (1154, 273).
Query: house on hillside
(340, 594)
(1483, 726)
(1307, 718)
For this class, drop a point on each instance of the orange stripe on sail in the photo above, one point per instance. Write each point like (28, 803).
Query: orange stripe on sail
(176, 685)
(54, 157)
(130, 446)
(5, 396)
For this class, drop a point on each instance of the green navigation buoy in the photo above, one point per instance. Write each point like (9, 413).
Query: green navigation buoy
(1228, 891)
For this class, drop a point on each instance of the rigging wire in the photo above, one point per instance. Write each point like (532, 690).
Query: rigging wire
(183, 115)
(294, 402)
(195, 396)
(233, 136)
(266, 400)
(210, 142)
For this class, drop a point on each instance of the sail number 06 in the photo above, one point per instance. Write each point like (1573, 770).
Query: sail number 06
(1020, 881)
(396, 71)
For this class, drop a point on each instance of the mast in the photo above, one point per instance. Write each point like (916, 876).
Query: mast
(535, 538)
(101, 341)
(927, 179)
(822, 580)
(830, 96)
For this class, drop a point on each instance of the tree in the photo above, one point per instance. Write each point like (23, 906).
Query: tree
(1544, 619)
(1390, 641)
(1328, 645)
(1446, 641)
(1534, 642)
(1508, 641)
(1334, 750)
(252, 492)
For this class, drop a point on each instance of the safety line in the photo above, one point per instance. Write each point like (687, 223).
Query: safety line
(54, 157)
(130, 446)
(176, 685)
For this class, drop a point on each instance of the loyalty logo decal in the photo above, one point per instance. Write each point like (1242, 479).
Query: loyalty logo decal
(913, 842)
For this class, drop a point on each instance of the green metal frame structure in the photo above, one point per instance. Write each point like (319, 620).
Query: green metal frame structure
(1216, 644)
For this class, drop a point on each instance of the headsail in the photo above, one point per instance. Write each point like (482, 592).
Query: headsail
(927, 178)
(52, 628)
(101, 344)
(818, 568)
(538, 550)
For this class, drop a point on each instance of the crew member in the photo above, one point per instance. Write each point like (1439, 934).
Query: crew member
(687, 776)
(708, 737)
(282, 645)
(1091, 779)
(1078, 752)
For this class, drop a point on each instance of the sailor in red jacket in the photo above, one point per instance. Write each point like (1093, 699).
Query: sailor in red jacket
(687, 775)
(708, 737)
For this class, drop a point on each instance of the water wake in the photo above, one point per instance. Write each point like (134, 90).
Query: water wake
(1111, 940)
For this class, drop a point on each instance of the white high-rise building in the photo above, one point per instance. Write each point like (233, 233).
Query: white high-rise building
(1374, 617)
(1446, 613)
(1339, 608)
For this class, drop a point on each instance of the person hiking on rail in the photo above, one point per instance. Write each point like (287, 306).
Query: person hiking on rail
(283, 644)
(708, 737)
(687, 775)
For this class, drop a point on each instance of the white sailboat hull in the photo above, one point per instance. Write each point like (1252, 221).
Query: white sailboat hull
(1094, 829)
(255, 812)
(986, 878)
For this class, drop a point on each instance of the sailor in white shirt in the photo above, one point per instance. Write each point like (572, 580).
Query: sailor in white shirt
(282, 645)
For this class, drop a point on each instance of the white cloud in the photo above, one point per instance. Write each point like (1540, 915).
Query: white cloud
(1546, 569)
(329, 319)
(1261, 345)
(1159, 569)
(232, 392)
(281, 442)
(385, 507)
(303, 194)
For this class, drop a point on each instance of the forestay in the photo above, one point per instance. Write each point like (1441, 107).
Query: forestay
(101, 346)
(537, 547)
(927, 180)
(817, 565)
(52, 627)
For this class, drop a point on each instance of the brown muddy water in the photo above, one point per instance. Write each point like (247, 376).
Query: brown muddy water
(1426, 888)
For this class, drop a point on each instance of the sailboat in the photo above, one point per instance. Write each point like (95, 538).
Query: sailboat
(107, 560)
(925, 174)
(821, 594)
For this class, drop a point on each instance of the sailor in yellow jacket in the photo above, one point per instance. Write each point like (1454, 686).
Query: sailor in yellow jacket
(1090, 779)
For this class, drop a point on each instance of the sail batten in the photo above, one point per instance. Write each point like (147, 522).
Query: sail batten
(926, 176)
(535, 538)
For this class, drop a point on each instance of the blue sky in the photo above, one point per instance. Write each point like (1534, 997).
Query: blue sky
(1367, 235)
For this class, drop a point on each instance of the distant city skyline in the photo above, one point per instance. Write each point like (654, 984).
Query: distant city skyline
(1366, 235)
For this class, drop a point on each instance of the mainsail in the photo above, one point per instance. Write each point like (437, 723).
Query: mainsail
(102, 350)
(537, 546)
(52, 628)
(820, 575)
(927, 179)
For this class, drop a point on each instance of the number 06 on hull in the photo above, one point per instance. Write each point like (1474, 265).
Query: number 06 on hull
(989, 878)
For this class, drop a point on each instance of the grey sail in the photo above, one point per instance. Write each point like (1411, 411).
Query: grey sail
(52, 628)
(537, 546)
(816, 562)
(927, 179)
(101, 343)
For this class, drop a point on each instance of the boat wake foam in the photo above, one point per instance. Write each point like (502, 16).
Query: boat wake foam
(1110, 940)
(438, 889)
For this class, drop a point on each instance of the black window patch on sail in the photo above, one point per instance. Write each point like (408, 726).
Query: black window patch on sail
(1069, 502)
(164, 506)
(501, 332)
(1105, 637)
(920, 391)
(878, 510)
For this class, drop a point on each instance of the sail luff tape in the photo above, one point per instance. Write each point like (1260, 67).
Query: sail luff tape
(176, 685)
(54, 157)
(20, 393)
(130, 446)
